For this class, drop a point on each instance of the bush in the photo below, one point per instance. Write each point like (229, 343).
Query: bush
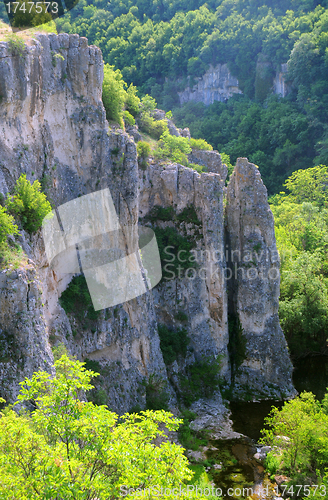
(29, 204)
(148, 103)
(201, 380)
(157, 397)
(173, 148)
(132, 101)
(200, 144)
(170, 243)
(143, 150)
(16, 44)
(155, 128)
(7, 225)
(128, 118)
(113, 94)
(76, 299)
(174, 343)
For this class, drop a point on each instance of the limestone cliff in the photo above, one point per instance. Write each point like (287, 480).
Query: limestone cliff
(253, 262)
(217, 84)
(53, 128)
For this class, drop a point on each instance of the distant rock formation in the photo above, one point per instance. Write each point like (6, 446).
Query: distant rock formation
(217, 84)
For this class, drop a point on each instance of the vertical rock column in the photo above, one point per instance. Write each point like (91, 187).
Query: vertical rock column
(260, 361)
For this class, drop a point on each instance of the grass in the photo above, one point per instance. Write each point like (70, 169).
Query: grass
(12, 256)
(25, 35)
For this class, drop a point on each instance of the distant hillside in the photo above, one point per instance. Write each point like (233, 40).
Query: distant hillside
(157, 44)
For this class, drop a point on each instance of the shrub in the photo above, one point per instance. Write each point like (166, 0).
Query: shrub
(157, 397)
(200, 144)
(143, 149)
(7, 225)
(173, 343)
(128, 118)
(181, 316)
(155, 128)
(201, 380)
(113, 94)
(76, 299)
(173, 148)
(148, 103)
(16, 44)
(170, 243)
(160, 213)
(29, 204)
(132, 101)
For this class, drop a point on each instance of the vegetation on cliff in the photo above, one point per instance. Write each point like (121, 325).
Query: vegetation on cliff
(156, 45)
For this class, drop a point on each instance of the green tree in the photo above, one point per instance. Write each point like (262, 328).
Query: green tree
(70, 448)
(113, 94)
(173, 148)
(310, 184)
(29, 203)
(7, 225)
(298, 433)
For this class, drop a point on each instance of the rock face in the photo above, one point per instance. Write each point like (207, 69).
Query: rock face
(254, 284)
(217, 84)
(53, 128)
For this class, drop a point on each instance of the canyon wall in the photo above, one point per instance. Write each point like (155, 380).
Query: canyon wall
(53, 128)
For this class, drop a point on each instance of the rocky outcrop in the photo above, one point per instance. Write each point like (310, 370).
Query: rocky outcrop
(53, 128)
(217, 84)
(24, 346)
(280, 85)
(254, 284)
(196, 291)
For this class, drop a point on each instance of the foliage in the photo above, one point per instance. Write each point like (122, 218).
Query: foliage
(200, 144)
(70, 448)
(302, 237)
(173, 343)
(132, 101)
(7, 225)
(143, 150)
(155, 128)
(175, 252)
(189, 216)
(128, 118)
(16, 44)
(237, 344)
(160, 213)
(113, 94)
(201, 380)
(181, 316)
(309, 185)
(157, 396)
(29, 203)
(187, 437)
(299, 430)
(76, 299)
(173, 148)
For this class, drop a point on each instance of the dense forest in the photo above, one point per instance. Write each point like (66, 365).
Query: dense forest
(157, 44)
